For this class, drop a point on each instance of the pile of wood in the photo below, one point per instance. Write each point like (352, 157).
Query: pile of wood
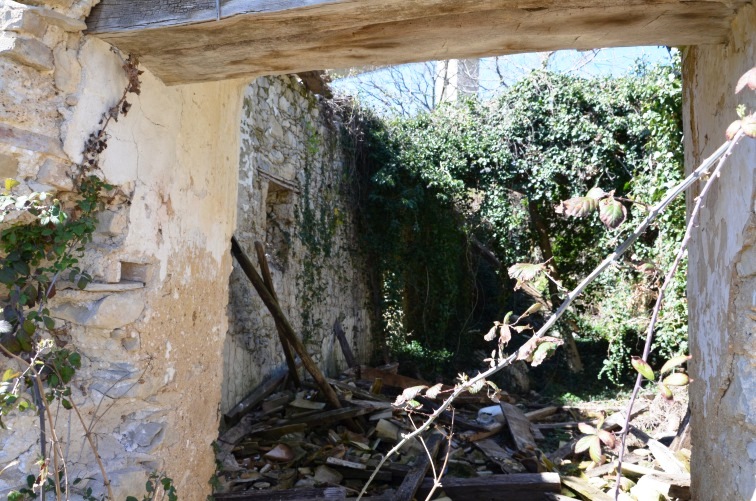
(293, 439)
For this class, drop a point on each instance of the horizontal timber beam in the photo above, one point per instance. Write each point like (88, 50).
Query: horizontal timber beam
(199, 40)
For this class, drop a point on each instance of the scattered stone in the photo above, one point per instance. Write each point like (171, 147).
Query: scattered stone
(326, 475)
(281, 453)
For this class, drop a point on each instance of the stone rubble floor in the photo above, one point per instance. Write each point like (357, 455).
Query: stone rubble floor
(285, 444)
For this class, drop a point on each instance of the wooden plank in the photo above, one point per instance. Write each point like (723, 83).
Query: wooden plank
(256, 37)
(287, 330)
(255, 397)
(299, 494)
(500, 456)
(345, 348)
(268, 281)
(411, 483)
(514, 487)
(541, 413)
(519, 426)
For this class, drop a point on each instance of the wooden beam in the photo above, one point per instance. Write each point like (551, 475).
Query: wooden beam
(514, 487)
(268, 281)
(256, 37)
(288, 331)
(413, 480)
(255, 397)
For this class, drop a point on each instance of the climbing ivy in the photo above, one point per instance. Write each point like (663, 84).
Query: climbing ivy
(440, 189)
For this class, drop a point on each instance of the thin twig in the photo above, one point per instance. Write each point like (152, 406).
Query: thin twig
(438, 476)
(660, 298)
(671, 194)
(93, 446)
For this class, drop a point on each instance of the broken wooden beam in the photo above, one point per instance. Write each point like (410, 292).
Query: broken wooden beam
(287, 330)
(519, 426)
(255, 397)
(338, 331)
(414, 478)
(268, 281)
(298, 494)
(514, 487)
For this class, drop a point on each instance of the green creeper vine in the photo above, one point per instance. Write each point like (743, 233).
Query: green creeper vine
(43, 238)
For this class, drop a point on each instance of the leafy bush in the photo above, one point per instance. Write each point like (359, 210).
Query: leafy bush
(440, 189)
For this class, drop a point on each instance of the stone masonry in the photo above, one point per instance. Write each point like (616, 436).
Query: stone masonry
(151, 327)
(293, 198)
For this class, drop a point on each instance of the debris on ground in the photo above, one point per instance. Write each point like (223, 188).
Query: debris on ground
(325, 439)
(288, 444)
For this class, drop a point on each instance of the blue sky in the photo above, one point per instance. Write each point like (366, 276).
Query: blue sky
(408, 88)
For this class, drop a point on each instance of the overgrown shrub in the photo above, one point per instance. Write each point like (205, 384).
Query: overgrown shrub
(441, 189)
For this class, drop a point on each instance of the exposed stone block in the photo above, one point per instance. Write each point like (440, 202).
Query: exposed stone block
(8, 167)
(26, 51)
(32, 141)
(112, 223)
(55, 19)
(55, 173)
(110, 312)
(49, 3)
(67, 69)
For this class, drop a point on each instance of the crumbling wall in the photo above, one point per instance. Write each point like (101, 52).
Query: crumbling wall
(722, 273)
(151, 327)
(293, 197)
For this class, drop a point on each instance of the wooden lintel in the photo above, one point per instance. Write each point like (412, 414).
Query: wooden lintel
(193, 41)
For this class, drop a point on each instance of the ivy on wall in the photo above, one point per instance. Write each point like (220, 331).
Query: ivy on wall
(439, 190)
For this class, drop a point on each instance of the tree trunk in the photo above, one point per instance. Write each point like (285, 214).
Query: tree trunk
(544, 243)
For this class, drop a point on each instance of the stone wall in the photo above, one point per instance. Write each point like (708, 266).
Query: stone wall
(293, 197)
(151, 328)
(722, 273)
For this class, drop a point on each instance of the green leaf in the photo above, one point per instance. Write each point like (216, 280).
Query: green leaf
(586, 429)
(596, 193)
(7, 276)
(643, 368)
(67, 373)
(676, 379)
(577, 207)
(82, 283)
(15, 496)
(66, 404)
(612, 213)
(665, 392)
(434, 390)
(75, 360)
(49, 323)
(525, 272)
(9, 374)
(674, 362)
(584, 443)
(595, 450)
(131, 498)
(24, 340)
(29, 327)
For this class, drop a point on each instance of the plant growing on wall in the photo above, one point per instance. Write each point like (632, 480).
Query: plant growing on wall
(453, 198)
(43, 238)
(708, 172)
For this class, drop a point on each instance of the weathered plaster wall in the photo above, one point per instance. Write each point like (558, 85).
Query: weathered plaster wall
(151, 330)
(722, 273)
(293, 198)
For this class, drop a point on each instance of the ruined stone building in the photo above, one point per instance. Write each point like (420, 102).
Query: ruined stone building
(212, 147)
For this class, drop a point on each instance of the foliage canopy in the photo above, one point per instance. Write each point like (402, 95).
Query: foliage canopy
(443, 192)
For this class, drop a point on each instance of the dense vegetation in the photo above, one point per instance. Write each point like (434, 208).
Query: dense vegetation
(450, 199)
